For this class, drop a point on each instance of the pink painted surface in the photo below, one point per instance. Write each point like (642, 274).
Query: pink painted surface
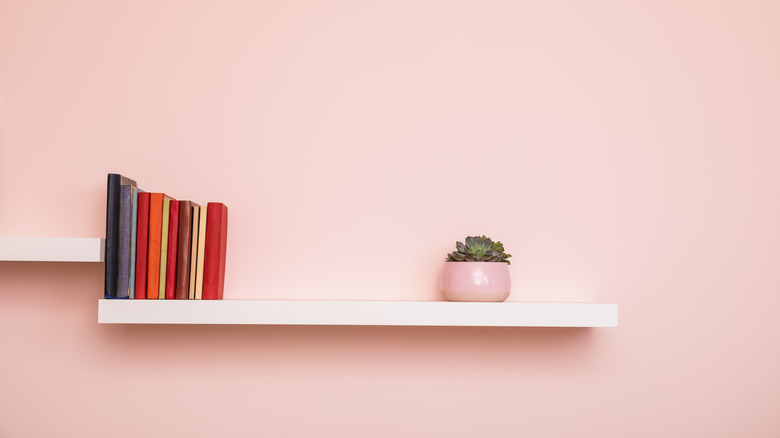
(625, 151)
(475, 281)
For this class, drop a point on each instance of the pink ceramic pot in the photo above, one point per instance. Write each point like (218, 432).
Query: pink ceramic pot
(475, 281)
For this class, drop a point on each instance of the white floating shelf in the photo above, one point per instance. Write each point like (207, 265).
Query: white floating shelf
(51, 249)
(366, 313)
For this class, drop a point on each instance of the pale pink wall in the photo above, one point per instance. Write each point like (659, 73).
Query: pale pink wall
(623, 151)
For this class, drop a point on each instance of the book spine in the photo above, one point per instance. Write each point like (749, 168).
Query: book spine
(194, 251)
(133, 241)
(216, 251)
(155, 237)
(184, 250)
(114, 188)
(173, 251)
(142, 246)
(164, 247)
(123, 247)
(201, 246)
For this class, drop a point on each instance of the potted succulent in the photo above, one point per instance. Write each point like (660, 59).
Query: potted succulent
(478, 270)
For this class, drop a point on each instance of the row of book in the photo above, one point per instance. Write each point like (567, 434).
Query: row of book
(158, 247)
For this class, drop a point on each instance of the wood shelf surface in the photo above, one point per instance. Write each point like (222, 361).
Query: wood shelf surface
(52, 249)
(361, 313)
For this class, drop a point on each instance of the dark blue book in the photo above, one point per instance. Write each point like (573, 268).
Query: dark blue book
(113, 206)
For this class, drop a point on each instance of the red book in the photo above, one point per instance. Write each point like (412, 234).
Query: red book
(216, 249)
(142, 245)
(173, 244)
(155, 246)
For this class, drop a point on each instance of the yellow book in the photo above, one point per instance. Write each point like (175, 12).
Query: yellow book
(194, 250)
(201, 252)
(166, 214)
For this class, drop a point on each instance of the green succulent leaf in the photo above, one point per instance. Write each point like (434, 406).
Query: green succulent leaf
(456, 257)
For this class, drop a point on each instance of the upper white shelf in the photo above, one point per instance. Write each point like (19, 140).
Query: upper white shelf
(377, 313)
(51, 249)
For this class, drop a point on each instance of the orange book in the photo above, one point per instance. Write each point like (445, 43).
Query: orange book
(155, 245)
(202, 223)
(194, 253)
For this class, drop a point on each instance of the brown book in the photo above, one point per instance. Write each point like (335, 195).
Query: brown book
(185, 250)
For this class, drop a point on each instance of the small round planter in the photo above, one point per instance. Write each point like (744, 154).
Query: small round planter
(475, 281)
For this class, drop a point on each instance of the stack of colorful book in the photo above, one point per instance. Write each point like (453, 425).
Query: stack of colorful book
(158, 247)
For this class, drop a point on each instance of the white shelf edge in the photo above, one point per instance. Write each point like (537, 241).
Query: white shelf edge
(52, 249)
(362, 313)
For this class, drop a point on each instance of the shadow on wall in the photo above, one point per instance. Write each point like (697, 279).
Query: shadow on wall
(302, 347)
(63, 297)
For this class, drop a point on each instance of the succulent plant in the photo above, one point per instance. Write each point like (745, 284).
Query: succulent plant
(479, 249)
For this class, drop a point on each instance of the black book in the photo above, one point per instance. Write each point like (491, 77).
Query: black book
(113, 201)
